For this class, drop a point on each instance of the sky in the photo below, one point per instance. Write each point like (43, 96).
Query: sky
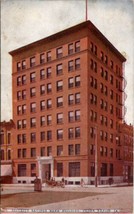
(26, 21)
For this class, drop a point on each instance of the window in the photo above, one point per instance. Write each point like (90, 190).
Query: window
(70, 65)
(42, 136)
(42, 120)
(32, 77)
(102, 56)
(2, 154)
(59, 101)
(42, 74)
(32, 61)
(24, 94)
(18, 66)
(23, 138)
(74, 169)
(18, 81)
(59, 118)
(19, 153)
(49, 135)
(111, 79)
(59, 150)
(111, 152)
(49, 88)
(24, 107)
(106, 59)
(24, 153)
(24, 123)
(77, 115)
(33, 152)
(19, 138)
(49, 72)
(77, 63)
(33, 107)
(18, 110)
(33, 122)
(92, 169)
(105, 151)
(77, 132)
(77, 81)
(70, 149)
(111, 138)
(101, 150)
(23, 79)
(92, 149)
(42, 58)
(49, 103)
(70, 133)
(59, 69)
(77, 149)
(1, 138)
(106, 75)
(42, 89)
(77, 98)
(9, 154)
(101, 72)
(70, 82)
(70, 116)
(111, 123)
(49, 120)
(105, 90)
(22, 170)
(33, 169)
(18, 95)
(9, 138)
(77, 46)
(59, 85)
(42, 105)
(101, 87)
(91, 46)
(59, 52)
(24, 64)
(101, 135)
(49, 56)
(59, 169)
(111, 94)
(32, 92)
(104, 169)
(19, 123)
(60, 134)
(95, 50)
(42, 151)
(70, 99)
(111, 64)
(70, 48)
(111, 109)
(49, 151)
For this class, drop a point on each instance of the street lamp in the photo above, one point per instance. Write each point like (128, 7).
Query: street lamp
(96, 157)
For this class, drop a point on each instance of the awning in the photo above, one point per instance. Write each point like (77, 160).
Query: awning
(6, 170)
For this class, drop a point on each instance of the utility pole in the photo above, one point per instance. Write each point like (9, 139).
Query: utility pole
(96, 158)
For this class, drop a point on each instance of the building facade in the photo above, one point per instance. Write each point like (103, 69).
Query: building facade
(68, 103)
(6, 151)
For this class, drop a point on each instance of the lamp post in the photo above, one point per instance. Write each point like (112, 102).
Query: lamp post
(96, 158)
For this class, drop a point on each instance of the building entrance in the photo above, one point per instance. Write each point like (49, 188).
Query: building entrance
(45, 168)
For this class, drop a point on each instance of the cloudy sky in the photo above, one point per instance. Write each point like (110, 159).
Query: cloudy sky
(25, 21)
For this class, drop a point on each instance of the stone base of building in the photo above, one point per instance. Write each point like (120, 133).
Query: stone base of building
(74, 180)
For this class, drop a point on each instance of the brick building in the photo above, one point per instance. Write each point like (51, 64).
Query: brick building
(6, 151)
(68, 96)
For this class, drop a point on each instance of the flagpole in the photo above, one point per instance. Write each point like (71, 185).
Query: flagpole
(86, 11)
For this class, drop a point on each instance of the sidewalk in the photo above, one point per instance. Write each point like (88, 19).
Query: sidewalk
(117, 198)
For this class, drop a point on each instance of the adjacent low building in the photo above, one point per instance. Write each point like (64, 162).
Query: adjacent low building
(6, 173)
(68, 104)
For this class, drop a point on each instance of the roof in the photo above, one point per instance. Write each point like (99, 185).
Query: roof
(87, 24)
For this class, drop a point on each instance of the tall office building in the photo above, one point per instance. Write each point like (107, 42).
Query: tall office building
(68, 103)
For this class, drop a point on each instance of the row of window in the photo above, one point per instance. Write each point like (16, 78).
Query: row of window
(104, 151)
(104, 58)
(74, 169)
(72, 150)
(21, 80)
(8, 138)
(5, 155)
(47, 57)
(73, 133)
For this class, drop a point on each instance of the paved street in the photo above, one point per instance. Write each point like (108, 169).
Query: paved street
(119, 199)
